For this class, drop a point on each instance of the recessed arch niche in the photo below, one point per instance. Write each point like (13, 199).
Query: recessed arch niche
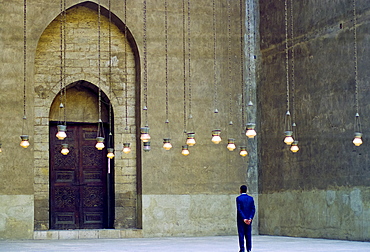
(81, 76)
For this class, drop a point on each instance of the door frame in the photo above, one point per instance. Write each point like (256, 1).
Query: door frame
(109, 183)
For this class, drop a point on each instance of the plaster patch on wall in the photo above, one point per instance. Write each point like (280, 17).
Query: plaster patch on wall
(330, 197)
(185, 215)
(356, 201)
(17, 212)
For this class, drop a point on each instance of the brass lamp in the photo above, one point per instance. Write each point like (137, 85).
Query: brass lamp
(216, 138)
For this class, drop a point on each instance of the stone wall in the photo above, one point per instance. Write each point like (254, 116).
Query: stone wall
(147, 185)
(321, 191)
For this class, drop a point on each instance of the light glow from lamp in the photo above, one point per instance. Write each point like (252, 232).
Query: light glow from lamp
(216, 138)
(243, 151)
(100, 143)
(126, 148)
(25, 141)
(185, 150)
(288, 137)
(145, 137)
(65, 149)
(231, 144)
(358, 139)
(190, 139)
(110, 154)
(61, 134)
(294, 147)
(167, 144)
(251, 132)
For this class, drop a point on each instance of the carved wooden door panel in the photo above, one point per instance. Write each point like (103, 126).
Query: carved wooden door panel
(78, 194)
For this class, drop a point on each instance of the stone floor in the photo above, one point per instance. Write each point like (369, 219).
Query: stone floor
(182, 244)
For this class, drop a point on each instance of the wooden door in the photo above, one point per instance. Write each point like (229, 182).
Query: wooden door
(78, 181)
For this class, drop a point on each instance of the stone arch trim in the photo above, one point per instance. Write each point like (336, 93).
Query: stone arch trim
(81, 65)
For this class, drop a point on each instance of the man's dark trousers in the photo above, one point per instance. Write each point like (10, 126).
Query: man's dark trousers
(244, 230)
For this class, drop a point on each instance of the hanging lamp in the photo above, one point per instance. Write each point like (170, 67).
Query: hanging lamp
(357, 141)
(24, 137)
(62, 128)
(231, 144)
(100, 132)
(126, 148)
(216, 138)
(110, 153)
(251, 132)
(185, 150)
(126, 145)
(167, 144)
(243, 151)
(65, 149)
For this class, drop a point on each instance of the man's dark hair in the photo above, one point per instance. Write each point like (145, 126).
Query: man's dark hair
(243, 189)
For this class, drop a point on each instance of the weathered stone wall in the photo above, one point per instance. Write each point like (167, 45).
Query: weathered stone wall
(321, 191)
(150, 185)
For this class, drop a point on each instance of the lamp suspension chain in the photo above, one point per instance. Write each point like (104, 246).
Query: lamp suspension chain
(61, 58)
(145, 62)
(355, 55)
(229, 57)
(126, 74)
(189, 61)
(249, 54)
(64, 60)
(166, 52)
(242, 63)
(24, 56)
(292, 59)
(287, 55)
(214, 58)
(99, 57)
(184, 62)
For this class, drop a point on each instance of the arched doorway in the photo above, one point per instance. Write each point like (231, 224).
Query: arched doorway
(81, 185)
(81, 71)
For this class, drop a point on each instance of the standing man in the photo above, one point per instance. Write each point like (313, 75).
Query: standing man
(245, 213)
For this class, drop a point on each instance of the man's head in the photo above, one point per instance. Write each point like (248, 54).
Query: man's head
(243, 189)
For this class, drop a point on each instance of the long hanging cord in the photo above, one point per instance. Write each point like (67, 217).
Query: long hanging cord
(294, 125)
(166, 52)
(145, 63)
(24, 62)
(249, 52)
(286, 54)
(229, 57)
(214, 59)
(126, 93)
(357, 117)
(64, 59)
(110, 140)
(288, 123)
(189, 68)
(184, 62)
(242, 65)
(61, 106)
